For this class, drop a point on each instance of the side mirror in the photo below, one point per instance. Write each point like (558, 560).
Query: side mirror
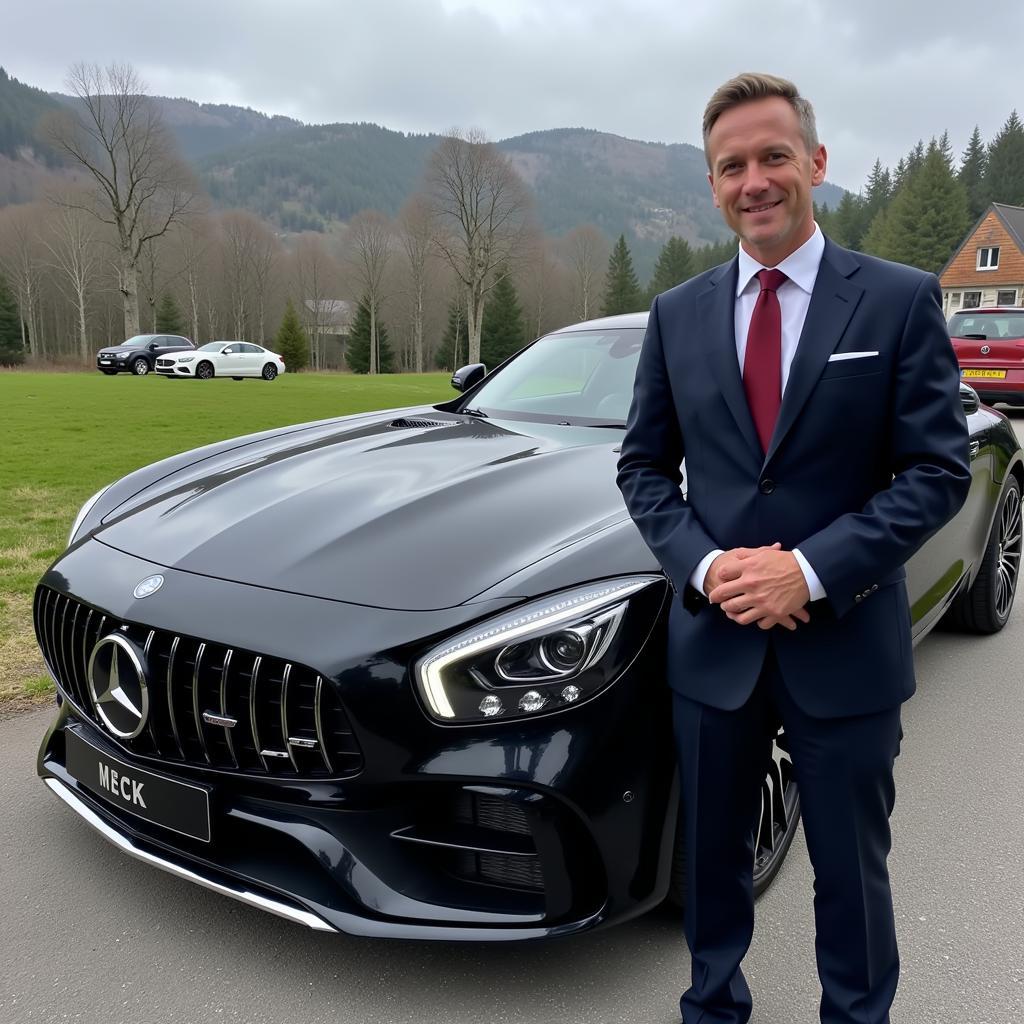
(467, 376)
(969, 398)
(152, 346)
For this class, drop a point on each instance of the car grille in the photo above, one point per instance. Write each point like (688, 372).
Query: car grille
(496, 816)
(288, 721)
(165, 362)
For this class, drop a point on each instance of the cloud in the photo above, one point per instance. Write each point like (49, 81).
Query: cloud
(881, 75)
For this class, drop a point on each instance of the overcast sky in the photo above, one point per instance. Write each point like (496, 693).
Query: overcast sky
(880, 73)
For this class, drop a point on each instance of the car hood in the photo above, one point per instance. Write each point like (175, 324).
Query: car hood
(417, 511)
(117, 350)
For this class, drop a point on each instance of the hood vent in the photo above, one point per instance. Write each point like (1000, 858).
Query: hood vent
(410, 423)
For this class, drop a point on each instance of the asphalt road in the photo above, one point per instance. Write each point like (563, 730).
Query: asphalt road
(87, 934)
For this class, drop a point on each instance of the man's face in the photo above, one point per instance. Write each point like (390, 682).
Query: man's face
(761, 177)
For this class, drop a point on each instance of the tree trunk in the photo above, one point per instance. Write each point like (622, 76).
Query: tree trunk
(130, 294)
(83, 336)
(418, 329)
(373, 338)
(474, 323)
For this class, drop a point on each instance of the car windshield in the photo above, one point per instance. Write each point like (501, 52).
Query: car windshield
(139, 341)
(212, 346)
(987, 325)
(579, 377)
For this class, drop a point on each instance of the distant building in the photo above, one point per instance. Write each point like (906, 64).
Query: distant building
(988, 268)
(327, 323)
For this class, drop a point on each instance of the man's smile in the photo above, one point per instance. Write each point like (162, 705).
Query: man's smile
(762, 207)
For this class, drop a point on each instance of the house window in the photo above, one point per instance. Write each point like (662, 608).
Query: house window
(1007, 297)
(988, 258)
(972, 300)
(954, 300)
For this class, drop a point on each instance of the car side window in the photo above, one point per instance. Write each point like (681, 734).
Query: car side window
(230, 350)
(252, 349)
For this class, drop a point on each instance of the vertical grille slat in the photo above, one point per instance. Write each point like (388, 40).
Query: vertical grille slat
(220, 707)
(197, 714)
(224, 705)
(285, 734)
(318, 719)
(254, 724)
(170, 696)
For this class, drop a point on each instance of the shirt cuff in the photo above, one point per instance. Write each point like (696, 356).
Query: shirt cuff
(814, 585)
(698, 574)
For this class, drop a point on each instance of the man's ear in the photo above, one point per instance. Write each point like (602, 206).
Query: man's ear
(714, 194)
(819, 163)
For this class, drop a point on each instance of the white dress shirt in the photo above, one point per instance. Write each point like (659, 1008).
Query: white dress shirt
(801, 269)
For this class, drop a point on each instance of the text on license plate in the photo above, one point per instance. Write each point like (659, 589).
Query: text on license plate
(991, 374)
(170, 803)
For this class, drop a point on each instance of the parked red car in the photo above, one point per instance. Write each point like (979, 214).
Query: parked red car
(989, 345)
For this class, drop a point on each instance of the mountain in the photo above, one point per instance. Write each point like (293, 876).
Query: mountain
(305, 177)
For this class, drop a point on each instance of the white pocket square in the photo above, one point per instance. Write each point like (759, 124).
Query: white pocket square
(839, 356)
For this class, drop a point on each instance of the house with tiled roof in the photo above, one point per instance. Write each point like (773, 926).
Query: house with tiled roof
(988, 268)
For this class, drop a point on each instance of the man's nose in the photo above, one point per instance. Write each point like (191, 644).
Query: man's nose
(754, 181)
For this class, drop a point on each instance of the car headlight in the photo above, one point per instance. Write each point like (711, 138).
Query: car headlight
(544, 656)
(83, 512)
(186, 359)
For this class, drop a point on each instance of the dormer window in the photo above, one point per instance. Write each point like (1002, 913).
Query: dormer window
(988, 258)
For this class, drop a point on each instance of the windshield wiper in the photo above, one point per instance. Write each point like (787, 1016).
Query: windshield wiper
(475, 412)
(617, 425)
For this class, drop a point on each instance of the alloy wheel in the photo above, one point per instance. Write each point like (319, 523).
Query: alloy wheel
(779, 814)
(204, 371)
(269, 371)
(140, 367)
(1008, 558)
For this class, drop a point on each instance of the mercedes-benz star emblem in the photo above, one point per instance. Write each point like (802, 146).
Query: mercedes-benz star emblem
(117, 683)
(150, 585)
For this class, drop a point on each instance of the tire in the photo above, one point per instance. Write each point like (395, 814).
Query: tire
(238, 378)
(269, 371)
(986, 606)
(140, 367)
(109, 373)
(776, 826)
(204, 371)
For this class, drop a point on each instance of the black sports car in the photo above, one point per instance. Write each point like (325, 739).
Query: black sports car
(401, 673)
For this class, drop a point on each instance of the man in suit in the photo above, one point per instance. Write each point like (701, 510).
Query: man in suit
(813, 392)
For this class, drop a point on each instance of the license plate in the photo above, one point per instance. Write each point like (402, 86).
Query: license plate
(989, 374)
(104, 360)
(179, 806)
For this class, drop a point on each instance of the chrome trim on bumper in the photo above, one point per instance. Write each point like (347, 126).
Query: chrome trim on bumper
(238, 892)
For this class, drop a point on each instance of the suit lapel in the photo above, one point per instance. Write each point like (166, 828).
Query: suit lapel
(833, 301)
(716, 311)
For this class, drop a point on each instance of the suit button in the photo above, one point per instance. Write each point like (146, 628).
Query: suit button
(859, 597)
(766, 486)
(874, 587)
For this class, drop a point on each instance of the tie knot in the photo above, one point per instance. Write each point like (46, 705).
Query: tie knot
(771, 280)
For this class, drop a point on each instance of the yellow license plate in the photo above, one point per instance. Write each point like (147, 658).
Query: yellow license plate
(991, 374)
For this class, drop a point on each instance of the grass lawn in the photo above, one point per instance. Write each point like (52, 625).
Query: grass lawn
(63, 436)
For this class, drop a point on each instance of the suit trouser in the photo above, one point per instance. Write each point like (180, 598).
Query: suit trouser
(844, 773)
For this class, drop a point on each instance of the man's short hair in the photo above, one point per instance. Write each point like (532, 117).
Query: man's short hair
(753, 86)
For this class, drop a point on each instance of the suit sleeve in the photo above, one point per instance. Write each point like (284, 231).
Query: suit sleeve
(928, 458)
(649, 474)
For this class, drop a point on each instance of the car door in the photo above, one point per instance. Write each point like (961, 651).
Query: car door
(254, 358)
(231, 362)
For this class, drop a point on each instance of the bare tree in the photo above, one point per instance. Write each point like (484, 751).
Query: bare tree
(417, 229)
(72, 244)
(481, 205)
(262, 260)
(195, 244)
(587, 251)
(238, 231)
(141, 189)
(369, 243)
(315, 273)
(22, 261)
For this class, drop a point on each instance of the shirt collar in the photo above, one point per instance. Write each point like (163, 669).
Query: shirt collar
(801, 267)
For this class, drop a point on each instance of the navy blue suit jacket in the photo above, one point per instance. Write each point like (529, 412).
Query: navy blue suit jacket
(869, 458)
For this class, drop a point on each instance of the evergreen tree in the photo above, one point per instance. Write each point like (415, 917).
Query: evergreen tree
(358, 352)
(291, 343)
(848, 222)
(675, 265)
(928, 218)
(709, 256)
(168, 317)
(877, 195)
(451, 353)
(621, 289)
(972, 173)
(502, 331)
(1005, 179)
(11, 350)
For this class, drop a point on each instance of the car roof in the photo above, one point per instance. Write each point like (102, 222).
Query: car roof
(990, 309)
(605, 323)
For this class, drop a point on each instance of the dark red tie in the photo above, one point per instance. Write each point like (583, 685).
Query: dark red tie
(762, 364)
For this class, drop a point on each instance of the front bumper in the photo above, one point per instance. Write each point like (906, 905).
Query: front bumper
(494, 833)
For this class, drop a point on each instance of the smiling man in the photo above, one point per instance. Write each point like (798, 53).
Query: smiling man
(813, 393)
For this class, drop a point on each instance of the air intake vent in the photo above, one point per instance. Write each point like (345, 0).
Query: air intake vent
(210, 706)
(411, 423)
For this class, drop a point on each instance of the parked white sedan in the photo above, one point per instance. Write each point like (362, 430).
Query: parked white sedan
(235, 359)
